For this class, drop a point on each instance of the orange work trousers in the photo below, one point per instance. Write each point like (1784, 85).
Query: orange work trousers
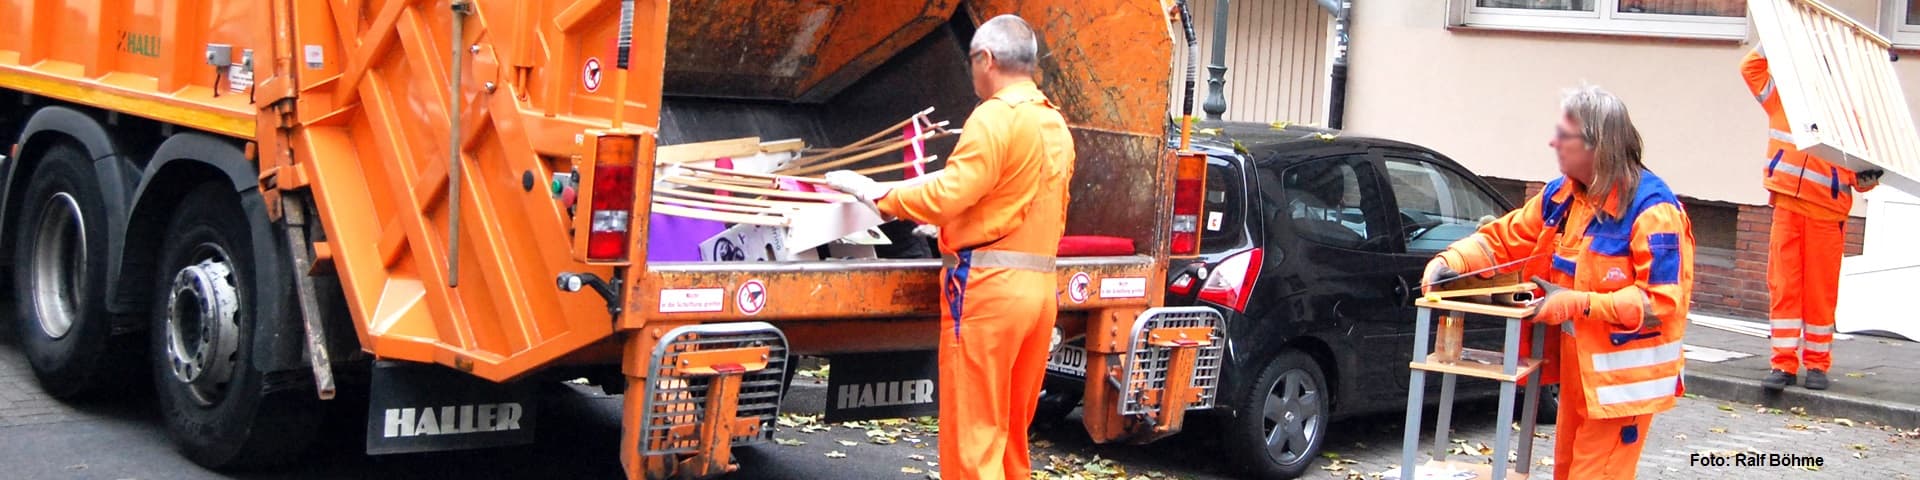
(995, 335)
(1593, 448)
(1803, 281)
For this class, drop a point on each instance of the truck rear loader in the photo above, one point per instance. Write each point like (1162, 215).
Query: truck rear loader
(252, 204)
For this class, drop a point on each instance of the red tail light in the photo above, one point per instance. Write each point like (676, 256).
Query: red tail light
(1231, 283)
(1183, 286)
(612, 205)
(1189, 192)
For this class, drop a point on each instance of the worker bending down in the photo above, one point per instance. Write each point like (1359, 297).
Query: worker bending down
(1810, 199)
(1001, 206)
(1613, 250)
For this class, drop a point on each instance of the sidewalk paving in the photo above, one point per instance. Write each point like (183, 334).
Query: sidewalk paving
(1874, 378)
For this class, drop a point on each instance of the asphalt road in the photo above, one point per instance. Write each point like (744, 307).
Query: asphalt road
(578, 438)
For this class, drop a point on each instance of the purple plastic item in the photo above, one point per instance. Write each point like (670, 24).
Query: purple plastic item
(677, 239)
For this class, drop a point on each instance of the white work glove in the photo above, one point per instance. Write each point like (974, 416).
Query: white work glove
(861, 187)
(929, 231)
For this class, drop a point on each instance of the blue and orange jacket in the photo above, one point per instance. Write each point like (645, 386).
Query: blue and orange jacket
(1637, 257)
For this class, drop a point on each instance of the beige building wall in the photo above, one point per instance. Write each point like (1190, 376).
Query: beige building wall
(1490, 99)
(1277, 60)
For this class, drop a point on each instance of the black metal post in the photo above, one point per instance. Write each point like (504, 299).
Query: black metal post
(1217, 71)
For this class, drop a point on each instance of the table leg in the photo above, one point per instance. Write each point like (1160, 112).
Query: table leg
(1416, 395)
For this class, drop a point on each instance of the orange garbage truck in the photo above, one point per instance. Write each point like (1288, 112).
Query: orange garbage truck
(429, 205)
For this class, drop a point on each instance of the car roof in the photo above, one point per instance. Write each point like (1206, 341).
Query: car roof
(1285, 143)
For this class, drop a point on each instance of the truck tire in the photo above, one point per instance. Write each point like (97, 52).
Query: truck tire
(59, 277)
(1281, 420)
(216, 404)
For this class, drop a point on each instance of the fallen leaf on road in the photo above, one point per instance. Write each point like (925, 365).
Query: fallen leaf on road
(836, 454)
(1798, 426)
(789, 442)
(1858, 374)
(1042, 444)
(1542, 435)
(1726, 408)
(933, 476)
(1544, 462)
(1681, 437)
(1329, 455)
(1843, 421)
(1717, 430)
(1859, 455)
(911, 471)
(1801, 411)
(1858, 446)
(1692, 395)
(1733, 415)
(917, 457)
(846, 443)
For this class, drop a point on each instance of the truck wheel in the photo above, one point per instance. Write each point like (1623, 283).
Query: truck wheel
(216, 404)
(1281, 420)
(60, 278)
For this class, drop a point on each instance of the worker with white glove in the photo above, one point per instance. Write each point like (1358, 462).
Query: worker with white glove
(1000, 208)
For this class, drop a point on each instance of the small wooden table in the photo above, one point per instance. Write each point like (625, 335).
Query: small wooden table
(1508, 372)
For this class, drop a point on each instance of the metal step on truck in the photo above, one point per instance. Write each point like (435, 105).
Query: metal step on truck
(256, 204)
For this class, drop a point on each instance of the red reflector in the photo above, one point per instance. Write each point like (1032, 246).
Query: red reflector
(612, 212)
(1189, 188)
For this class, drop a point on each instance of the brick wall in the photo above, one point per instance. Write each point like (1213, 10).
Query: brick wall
(1731, 280)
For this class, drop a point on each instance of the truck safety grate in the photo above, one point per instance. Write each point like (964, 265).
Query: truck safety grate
(680, 402)
(1146, 366)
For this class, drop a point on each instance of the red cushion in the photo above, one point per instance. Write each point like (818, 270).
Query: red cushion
(1095, 246)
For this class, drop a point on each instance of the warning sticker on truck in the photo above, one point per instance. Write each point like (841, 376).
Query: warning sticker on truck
(1135, 287)
(692, 300)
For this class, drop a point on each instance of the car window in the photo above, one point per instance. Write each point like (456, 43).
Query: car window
(1225, 217)
(1437, 205)
(1333, 201)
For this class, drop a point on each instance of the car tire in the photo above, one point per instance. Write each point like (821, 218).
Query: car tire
(60, 279)
(216, 403)
(1281, 418)
(1058, 398)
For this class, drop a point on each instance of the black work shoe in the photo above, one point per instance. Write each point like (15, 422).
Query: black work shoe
(1816, 379)
(1778, 380)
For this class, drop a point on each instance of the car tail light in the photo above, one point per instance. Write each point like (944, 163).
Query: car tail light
(1182, 286)
(1189, 189)
(1232, 280)
(612, 204)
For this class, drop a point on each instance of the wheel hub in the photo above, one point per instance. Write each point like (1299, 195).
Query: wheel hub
(58, 265)
(203, 335)
(1294, 418)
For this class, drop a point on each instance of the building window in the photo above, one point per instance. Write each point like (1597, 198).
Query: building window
(1666, 18)
(1903, 23)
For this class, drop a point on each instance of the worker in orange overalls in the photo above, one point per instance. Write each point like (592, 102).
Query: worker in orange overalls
(1810, 199)
(1613, 249)
(1001, 207)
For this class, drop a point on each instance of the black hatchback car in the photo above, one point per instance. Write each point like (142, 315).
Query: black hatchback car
(1312, 246)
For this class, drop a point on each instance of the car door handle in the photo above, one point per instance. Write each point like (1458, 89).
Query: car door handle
(1402, 290)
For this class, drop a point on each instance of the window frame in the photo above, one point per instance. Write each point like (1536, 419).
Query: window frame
(1605, 19)
(1237, 192)
(1435, 163)
(1894, 25)
(1394, 242)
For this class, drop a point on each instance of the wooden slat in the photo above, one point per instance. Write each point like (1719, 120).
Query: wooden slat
(771, 176)
(1469, 307)
(857, 158)
(897, 166)
(824, 197)
(693, 152)
(1490, 372)
(679, 211)
(733, 200)
(1472, 292)
(725, 207)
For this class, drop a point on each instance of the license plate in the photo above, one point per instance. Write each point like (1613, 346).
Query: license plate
(1069, 359)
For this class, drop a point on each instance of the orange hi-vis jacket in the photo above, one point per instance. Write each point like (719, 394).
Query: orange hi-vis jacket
(1001, 205)
(1799, 182)
(980, 199)
(1638, 260)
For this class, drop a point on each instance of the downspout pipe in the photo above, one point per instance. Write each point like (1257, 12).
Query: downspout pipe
(1342, 11)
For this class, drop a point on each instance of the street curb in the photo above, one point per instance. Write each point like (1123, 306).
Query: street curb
(1823, 403)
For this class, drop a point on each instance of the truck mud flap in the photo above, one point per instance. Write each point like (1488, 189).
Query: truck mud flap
(425, 408)
(868, 386)
(1174, 364)
(712, 387)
